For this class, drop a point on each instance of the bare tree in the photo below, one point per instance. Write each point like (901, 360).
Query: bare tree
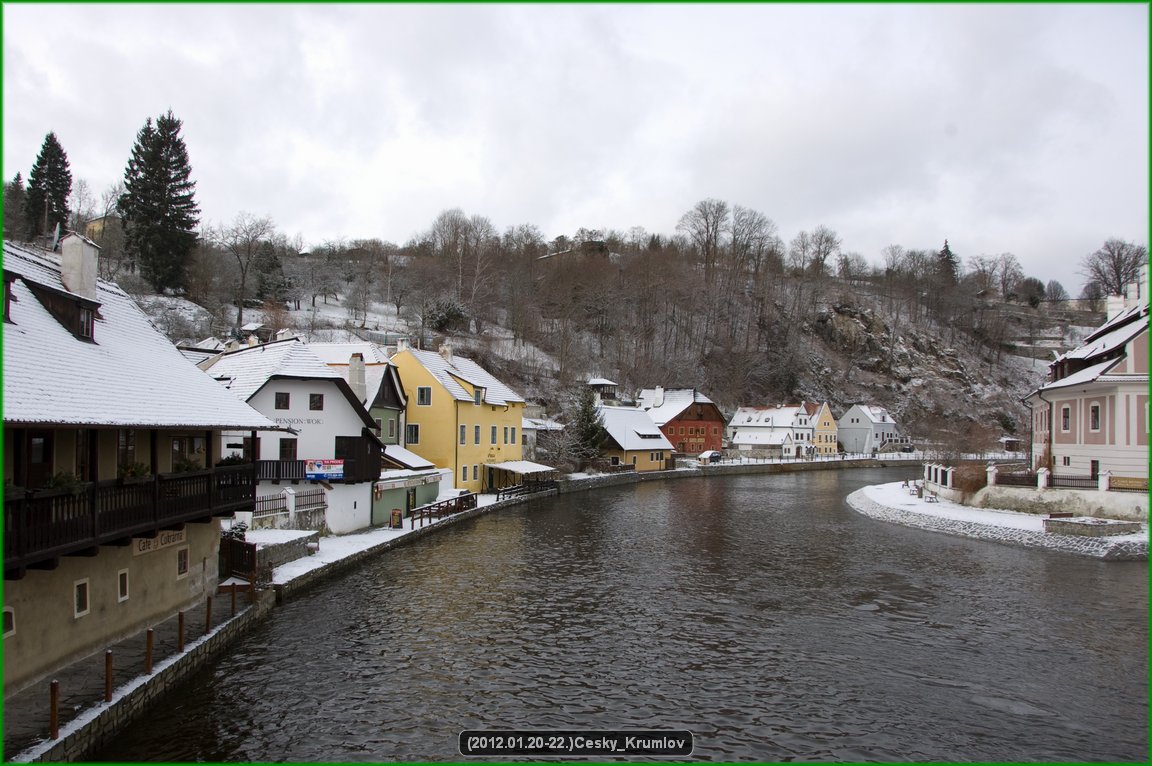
(1114, 265)
(704, 224)
(1009, 274)
(243, 239)
(1056, 292)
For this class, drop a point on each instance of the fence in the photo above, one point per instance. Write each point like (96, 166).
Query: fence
(428, 513)
(270, 505)
(311, 498)
(1016, 479)
(1074, 482)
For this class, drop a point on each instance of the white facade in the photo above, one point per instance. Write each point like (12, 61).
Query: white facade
(864, 428)
(750, 427)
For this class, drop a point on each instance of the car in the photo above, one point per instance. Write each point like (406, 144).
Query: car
(709, 456)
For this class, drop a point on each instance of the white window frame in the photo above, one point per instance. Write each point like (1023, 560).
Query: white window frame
(122, 593)
(1095, 408)
(76, 586)
(412, 433)
(424, 396)
(463, 434)
(1065, 419)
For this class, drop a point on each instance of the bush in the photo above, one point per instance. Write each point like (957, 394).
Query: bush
(235, 458)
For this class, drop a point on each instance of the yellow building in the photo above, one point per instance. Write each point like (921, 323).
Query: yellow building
(460, 417)
(634, 439)
(824, 435)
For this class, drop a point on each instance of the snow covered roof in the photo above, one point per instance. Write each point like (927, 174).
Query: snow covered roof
(632, 429)
(196, 355)
(246, 370)
(401, 456)
(451, 373)
(601, 382)
(1087, 375)
(341, 353)
(664, 405)
(540, 424)
(761, 437)
(521, 466)
(765, 417)
(872, 413)
(1112, 335)
(130, 376)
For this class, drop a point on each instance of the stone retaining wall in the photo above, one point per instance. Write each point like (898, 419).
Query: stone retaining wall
(275, 554)
(1096, 547)
(110, 718)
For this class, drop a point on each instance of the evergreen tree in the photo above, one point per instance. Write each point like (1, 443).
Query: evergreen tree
(587, 425)
(948, 265)
(14, 219)
(49, 184)
(157, 207)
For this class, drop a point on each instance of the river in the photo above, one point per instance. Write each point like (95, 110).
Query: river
(759, 612)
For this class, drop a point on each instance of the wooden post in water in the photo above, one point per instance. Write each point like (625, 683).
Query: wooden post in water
(180, 631)
(108, 676)
(208, 616)
(148, 643)
(54, 710)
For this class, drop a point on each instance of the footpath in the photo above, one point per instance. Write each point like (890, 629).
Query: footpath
(894, 503)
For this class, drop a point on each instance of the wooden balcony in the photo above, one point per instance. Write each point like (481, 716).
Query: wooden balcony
(280, 470)
(41, 526)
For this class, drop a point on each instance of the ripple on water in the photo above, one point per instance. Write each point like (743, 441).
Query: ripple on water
(776, 625)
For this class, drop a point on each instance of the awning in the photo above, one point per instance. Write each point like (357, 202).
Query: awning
(521, 467)
(405, 458)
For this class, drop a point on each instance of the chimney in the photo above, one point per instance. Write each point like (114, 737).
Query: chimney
(284, 334)
(659, 398)
(1114, 304)
(232, 345)
(401, 345)
(446, 351)
(356, 376)
(78, 257)
(253, 340)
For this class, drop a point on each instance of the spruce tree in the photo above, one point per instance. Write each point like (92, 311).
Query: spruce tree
(14, 219)
(948, 264)
(157, 207)
(49, 184)
(587, 426)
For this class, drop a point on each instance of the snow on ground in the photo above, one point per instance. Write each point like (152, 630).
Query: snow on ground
(264, 537)
(893, 503)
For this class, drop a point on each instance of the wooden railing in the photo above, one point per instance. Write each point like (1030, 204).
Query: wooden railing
(279, 470)
(46, 524)
(527, 488)
(237, 558)
(428, 513)
(270, 505)
(315, 497)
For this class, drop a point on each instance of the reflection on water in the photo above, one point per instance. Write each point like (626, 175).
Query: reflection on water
(758, 612)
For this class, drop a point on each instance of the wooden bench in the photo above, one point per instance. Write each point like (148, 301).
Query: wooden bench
(931, 498)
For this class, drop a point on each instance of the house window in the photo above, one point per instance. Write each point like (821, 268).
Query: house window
(125, 447)
(282, 400)
(87, 323)
(7, 311)
(1065, 418)
(80, 603)
(513, 435)
(505, 434)
(478, 396)
(681, 430)
(315, 401)
(476, 435)
(9, 621)
(464, 473)
(495, 430)
(122, 586)
(424, 396)
(463, 434)
(181, 563)
(475, 473)
(391, 428)
(1067, 460)
(379, 426)
(412, 433)
(1094, 417)
(288, 449)
(1094, 469)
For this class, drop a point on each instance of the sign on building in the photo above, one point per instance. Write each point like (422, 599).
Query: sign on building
(324, 469)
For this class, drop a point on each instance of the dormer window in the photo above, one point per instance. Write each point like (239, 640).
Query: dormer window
(478, 396)
(87, 325)
(8, 299)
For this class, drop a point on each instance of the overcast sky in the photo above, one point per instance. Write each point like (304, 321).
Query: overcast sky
(1003, 128)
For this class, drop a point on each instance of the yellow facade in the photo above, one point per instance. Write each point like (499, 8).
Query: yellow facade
(825, 431)
(456, 434)
(652, 460)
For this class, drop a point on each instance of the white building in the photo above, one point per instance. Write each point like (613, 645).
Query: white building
(867, 428)
(749, 427)
(334, 445)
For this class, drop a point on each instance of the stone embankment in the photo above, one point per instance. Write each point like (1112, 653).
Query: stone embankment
(1095, 547)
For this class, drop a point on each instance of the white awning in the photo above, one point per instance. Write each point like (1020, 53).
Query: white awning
(521, 466)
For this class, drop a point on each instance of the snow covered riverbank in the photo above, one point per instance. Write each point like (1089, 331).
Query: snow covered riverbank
(893, 503)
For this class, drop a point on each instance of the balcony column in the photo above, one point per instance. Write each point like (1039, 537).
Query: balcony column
(154, 456)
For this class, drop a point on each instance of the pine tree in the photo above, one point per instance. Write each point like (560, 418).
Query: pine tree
(14, 219)
(948, 264)
(49, 184)
(157, 207)
(587, 426)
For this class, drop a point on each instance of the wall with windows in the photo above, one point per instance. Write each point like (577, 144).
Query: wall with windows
(319, 421)
(64, 614)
